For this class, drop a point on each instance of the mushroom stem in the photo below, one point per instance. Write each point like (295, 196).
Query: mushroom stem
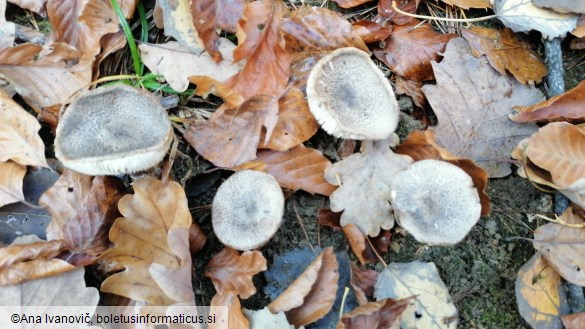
(443, 19)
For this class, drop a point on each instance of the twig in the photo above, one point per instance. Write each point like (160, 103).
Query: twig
(302, 226)
(376, 252)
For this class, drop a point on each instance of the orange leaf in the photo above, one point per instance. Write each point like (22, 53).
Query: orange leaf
(235, 317)
(231, 273)
(385, 313)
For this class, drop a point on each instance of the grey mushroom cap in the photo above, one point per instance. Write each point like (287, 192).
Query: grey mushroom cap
(435, 201)
(113, 130)
(247, 210)
(350, 97)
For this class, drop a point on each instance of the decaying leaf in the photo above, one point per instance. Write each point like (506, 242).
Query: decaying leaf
(176, 63)
(466, 4)
(11, 176)
(386, 13)
(364, 180)
(540, 295)
(363, 282)
(524, 16)
(385, 313)
(472, 101)
(236, 319)
(151, 245)
(410, 49)
(178, 22)
(431, 305)
(263, 319)
(566, 106)
(231, 273)
(506, 52)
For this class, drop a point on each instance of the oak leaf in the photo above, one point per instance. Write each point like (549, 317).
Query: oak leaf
(231, 273)
(151, 245)
(472, 101)
(410, 49)
(466, 4)
(566, 106)
(506, 52)
(364, 179)
(385, 313)
(178, 23)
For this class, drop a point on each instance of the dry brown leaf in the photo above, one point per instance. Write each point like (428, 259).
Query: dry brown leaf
(11, 176)
(312, 33)
(178, 23)
(235, 317)
(567, 106)
(177, 64)
(207, 86)
(151, 242)
(231, 139)
(231, 273)
(506, 52)
(363, 282)
(266, 71)
(386, 13)
(385, 313)
(472, 102)
(350, 3)
(364, 194)
(574, 321)
(357, 241)
(371, 32)
(413, 89)
(197, 238)
(410, 49)
(311, 295)
(466, 4)
(539, 294)
(300, 168)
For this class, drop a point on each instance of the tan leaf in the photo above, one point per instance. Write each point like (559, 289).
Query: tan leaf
(266, 71)
(231, 139)
(231, 273)
(466, 4)
(386, 13)
(11, 176)
(506, 52)
(574, 321)
(235, 317)
(539, 294)
(298, 168)
(363, 282)
(385, 313)
(472, 101)
(410, 49)
(567, 106)
(178, 23)
(364, 194)
(151, 242)
(177, 64)
(357, 241)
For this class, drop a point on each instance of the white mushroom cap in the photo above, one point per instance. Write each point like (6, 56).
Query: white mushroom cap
(113, 130)
(350, 97)
(247, 210)
(435, 201)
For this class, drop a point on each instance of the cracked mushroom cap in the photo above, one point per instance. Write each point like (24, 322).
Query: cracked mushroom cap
(350, 97)
(435, 201)
(247, 210)
(113, 130)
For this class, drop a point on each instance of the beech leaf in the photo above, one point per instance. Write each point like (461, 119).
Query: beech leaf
(11, 176)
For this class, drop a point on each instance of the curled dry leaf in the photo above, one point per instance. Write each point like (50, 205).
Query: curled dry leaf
(231, 273)
(386, 13)
(364, 194)
(11, 176)
(410, 49)
(567, 106)
(385, 313)
(466, 4)
(505, 51)
(539, 294)
(300, 168)
(371, 32)
(197, 238)
(235, 318)
(151, 245)
(363, 282)
(472, 101)
(311, 295)
(178, 23)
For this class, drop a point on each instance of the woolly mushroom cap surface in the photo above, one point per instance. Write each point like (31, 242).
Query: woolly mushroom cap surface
(247, 210)
(350, 97)
(435, 201)
(113, 130)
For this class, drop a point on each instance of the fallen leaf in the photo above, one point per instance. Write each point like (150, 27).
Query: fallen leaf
(266, 71)
(231, 273)
(7, 29)
(432, 302)
(311, 295)
(386, 13)
(385, 313)
(178, 23)
(574, 321)
(233, 137)
(410, 49)
(525, 16)
(363, 282)
(197, 238)
(11, 176)
(506, 52)
(350, 3)
(364, 179)
(413, 89)
(151, 245)
(176, 63)
(300, 168)
(235, 317)
(539, 294)
(466, 4)
(566, 106)
(207, 86)
(371, 32)
(472, 101)
(263, 319)
(38, 6)
(579, 31)
(562, 6)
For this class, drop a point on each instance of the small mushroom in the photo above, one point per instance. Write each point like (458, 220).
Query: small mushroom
(247, 210)
(350, 97)
(435, 201)
(113, 130)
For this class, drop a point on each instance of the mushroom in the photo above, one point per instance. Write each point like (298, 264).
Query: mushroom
(113, 130)
(435, 201)
(350, 97)
(247, 210)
